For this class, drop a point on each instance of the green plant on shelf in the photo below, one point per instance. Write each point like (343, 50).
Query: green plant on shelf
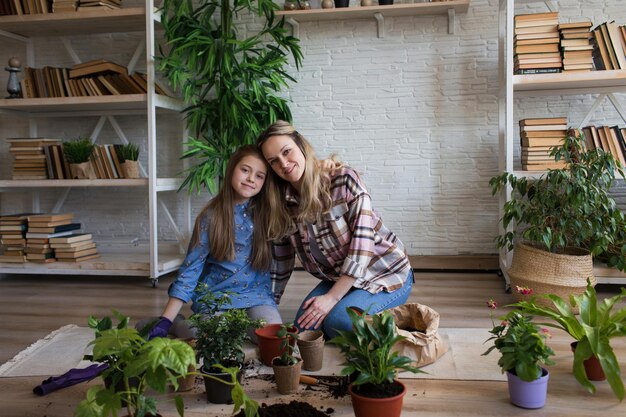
(78, 151)
(129, 151)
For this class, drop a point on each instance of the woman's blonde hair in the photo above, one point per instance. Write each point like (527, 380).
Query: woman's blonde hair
(222, 224)
(314, 194)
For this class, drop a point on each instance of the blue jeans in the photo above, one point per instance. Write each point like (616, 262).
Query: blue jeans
(338, 319)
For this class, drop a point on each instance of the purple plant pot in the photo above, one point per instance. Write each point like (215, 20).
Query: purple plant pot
(528, 394)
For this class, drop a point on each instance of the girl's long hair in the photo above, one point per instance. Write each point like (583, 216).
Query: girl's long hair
(314, 195)
(222, 225)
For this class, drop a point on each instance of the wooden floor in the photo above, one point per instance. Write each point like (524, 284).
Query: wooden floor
(33, 306)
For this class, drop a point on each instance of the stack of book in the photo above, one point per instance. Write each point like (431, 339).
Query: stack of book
(609, 52)
(107, 161)
(576, 45)
(12, 242)
(30, 158)
(75, 248)
(42, 228)
(60, 6)
(99, 4)
(539, 136)
(536, 43)
(57, 165)
(20, 7)
(93, 78)
(611, 139)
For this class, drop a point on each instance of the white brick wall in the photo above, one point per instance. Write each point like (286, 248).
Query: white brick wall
(415, 112)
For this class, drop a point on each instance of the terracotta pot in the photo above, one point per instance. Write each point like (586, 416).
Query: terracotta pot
(528, 394)
(131, 169)
(311, 346)
(269, 343)
(83, 171)
(287, 377)
(218, 392)
(376, 407)
(593, 368)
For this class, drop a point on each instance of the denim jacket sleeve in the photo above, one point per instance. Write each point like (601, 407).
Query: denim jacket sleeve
(191, 269)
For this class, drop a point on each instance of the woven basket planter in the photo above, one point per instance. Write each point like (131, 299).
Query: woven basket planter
(550, 273)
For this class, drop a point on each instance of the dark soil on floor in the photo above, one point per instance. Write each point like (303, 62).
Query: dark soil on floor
(293, 409)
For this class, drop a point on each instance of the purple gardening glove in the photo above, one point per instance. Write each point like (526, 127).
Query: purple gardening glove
(160, 328)
(72, 377)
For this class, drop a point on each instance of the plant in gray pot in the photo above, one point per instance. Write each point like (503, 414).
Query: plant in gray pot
(557, 222)
(220, 335)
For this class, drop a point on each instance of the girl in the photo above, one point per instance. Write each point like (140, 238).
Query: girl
(227, 252)
(327, 219)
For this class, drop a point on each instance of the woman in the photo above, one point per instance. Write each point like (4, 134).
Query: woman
(326, 218)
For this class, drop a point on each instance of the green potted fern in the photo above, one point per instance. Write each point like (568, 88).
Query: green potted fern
(78, 153)
(368, 353)
(233, 80)
(130, 155)
(559, 221)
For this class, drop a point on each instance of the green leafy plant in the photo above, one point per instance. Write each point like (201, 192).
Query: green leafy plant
(287, 345)
(129, 151)
(567, 207)
(221, 333)
(78, 151)
(522, 345)
(135, 364)
(232, 83)
(367, 349)
(593, 329)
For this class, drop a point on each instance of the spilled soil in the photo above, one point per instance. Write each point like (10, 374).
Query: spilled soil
(293, 409)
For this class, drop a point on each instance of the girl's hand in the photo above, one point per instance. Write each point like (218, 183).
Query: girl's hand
(316, 310)
(329, 165)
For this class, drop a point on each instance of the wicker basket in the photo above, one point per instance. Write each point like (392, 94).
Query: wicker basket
(550, 273)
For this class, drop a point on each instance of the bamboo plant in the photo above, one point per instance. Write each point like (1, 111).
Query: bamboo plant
(231, 82)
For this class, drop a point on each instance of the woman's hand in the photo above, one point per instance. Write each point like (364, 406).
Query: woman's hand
(329, 166)
(315, 311)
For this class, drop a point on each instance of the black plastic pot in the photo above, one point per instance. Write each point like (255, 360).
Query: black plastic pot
(385, 2)
(218, 392)
(342, 3)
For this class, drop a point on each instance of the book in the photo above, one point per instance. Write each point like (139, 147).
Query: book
(50, 217)
(543, 121)
(616, 148)
(65, 255)
(536, 16)
(521, 49)
(71, 239)
(61, 222)
(575, 25)
(58, 247)
(84, 258)
(98, 68)
(54, 229)
(559, 127)
(47, 235)
(532, 71)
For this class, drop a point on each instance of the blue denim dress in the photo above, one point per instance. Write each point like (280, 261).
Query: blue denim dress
(249, 287)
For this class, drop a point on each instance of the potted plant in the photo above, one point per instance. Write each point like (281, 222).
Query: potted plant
(78, 153)
(523, 351)
(592, 331)
(368, 353)
(130, 155)
(134, 364)
(558, 221)
(270, 343)
(233, 84)
(220, 335)
(287, 367)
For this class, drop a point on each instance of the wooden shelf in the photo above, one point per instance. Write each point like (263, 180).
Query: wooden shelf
(358, 12)
(132, 19)
(569, 84)
(450, 8)
(122, 102)
(162, 184)
(109, 263)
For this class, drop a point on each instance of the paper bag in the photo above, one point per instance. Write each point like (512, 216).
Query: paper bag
(419, 324)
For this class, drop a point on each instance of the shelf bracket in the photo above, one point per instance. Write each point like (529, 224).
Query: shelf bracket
(14, 36)
(451, 21)
(616, 104)
(380, 24)
(295, 27)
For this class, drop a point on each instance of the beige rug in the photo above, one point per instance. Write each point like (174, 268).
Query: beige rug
(64, 348)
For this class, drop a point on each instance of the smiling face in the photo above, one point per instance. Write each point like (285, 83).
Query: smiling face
(248, 178)
(285, 158)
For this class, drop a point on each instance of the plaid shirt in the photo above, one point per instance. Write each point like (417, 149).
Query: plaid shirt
(352, 238)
